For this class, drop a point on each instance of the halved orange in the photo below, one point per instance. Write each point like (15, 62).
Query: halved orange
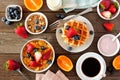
(116, 62)
(33, 5)
(64, 63)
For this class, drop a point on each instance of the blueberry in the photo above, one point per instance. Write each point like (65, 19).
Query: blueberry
(32, 58)
(10, 9)
(67, 27)
(4, 19)
(69, 48)
(43, 48)
(37, 21)
(43, 27)
(60, 31)
(15, 12)
(8, 22)
(35, 50)
(36, 28)
(49, 62)
(77, 37)
(28, 55)
(60, 16)
(91, 32)
(110, 69)
(17, 8)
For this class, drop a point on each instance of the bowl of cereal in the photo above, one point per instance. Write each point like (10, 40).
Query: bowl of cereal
(36, 23)
(37, 55)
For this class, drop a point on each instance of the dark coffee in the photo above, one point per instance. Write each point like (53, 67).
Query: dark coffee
(91, 67)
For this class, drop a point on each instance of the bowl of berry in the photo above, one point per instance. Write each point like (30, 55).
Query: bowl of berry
(13, 13)
(108, 9)
(36, 23)
(37, 55)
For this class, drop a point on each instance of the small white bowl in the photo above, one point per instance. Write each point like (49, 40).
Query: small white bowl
(13, 20)
(21, 56)
(114, 16)
(36, 13)
(117, 42)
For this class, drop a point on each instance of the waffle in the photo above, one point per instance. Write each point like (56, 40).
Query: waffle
(81, 30)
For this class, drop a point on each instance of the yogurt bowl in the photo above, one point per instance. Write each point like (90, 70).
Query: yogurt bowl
(107, 47)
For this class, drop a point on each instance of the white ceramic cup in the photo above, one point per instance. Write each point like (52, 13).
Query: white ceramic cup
(103, 52)
(96, 56)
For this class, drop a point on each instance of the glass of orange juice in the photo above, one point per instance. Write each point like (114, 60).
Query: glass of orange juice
(33, 5)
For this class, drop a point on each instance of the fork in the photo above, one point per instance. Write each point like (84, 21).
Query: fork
(61, 22)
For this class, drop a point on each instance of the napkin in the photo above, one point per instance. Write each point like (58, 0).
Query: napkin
(49, 75)
(70, 5)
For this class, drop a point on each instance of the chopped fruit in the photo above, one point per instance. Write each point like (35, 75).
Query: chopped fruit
(105, 4)
(116, 62)
(33, 64)
(69, 48)
(71, 32)
(112, 9)
(21, 31)
(106, 14)
(116, 5)
(47, 54)
(64, 63)
(30, 47)
(12, 65)
(37, 56)
(108, 26)
(33, 5)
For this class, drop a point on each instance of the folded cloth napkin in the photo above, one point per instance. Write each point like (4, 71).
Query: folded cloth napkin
(69, 5)
(51, 76)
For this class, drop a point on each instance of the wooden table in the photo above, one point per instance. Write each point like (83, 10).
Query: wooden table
(10, 44)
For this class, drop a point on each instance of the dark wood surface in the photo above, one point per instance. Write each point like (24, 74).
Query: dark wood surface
(10, 44)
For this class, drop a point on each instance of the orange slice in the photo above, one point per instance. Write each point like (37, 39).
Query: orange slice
(116, 62)
(33, 5)
(64, 63)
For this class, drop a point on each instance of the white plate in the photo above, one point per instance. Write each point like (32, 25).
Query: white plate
(82, 47)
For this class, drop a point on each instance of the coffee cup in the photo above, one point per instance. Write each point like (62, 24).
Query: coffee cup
(91, 66)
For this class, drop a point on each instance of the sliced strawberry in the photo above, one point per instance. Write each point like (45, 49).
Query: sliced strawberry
(106, 14)
(33, 64)
(30, 47)
(108, 26)
(11, 65)
(37, 56)
(21, 31)
(112, 9)
(71, 33)
(47, 54)
(105, 4)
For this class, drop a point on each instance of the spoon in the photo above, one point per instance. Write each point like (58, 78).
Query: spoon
(18, 70)
(116, 36)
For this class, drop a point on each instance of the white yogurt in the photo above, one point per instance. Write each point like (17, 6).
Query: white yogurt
(54, 5)
(107, 47)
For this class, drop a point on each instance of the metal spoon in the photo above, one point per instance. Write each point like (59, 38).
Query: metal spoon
(116, 36)
(18, 70)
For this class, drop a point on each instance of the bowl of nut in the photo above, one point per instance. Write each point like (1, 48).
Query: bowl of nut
(37, 55)
(13, 13)
(36, 23)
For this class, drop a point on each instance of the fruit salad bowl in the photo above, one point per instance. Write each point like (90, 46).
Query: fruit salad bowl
(37, 55)
(108, 9)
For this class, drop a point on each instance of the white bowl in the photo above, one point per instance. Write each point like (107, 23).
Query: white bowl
(21, 56)
(14, 20)
(114, 16)
(37, 13)
(103, 53)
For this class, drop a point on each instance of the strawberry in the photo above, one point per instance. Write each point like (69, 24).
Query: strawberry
(21, 31)
(105, 4)
(112, 9)
(33, 64)
(12, 65)
(47, 54)
(106, 14)
(30, 47)
(71, 32)
(108, 26)
(37, 56)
